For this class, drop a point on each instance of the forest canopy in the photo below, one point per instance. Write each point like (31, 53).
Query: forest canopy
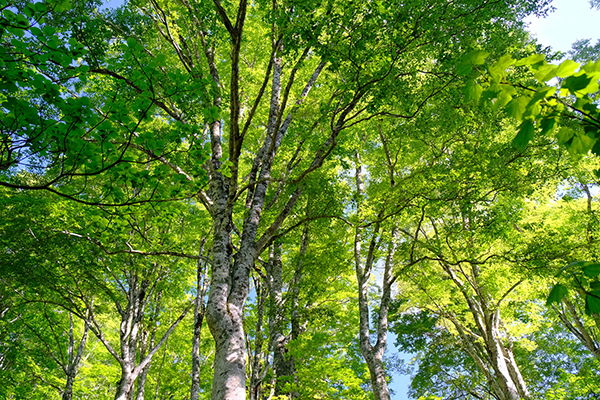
(296, 199)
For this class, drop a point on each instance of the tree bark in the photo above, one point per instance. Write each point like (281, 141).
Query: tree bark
(199, 312)
(258, 369)
(373, 354)
(501, 368)
(282, 363)
(147, 342)
(73, 359)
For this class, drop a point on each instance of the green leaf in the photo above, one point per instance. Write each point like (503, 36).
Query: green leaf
(466, 63)
(564, 135)
(41, 7)
(161, 60)
(582, 143)
(548, 124)
(557, 293)
(477, 57)
(498, 69)
(29, 11)
(566, 68)
(501, 100)
(524, 135)
(576, 83)
(591, 270)
(472, 91)
(533, 109)
(131, 42)
(36, 31)
(571, 266)
(591, 67)
(544, 93)
(595, 285)
(531, 60)
(592, 302)
(464, 68)
(517, 107)
(545, 72)
(62, 6)
(596, 151)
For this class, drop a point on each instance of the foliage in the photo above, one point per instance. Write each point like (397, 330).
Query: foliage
(144, 146)
(566, 110)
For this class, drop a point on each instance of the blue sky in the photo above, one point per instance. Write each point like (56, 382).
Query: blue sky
(572, 20)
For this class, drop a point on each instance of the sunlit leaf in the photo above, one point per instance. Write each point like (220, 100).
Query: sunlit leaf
(472, 91)
(557, 293)
(591, 270)
(592, 302)
(524, 135)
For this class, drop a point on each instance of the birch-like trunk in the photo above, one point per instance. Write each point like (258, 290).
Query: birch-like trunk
(373, 354)
(137, 295)
(587, 335)
(199, 312)
(497, 362)
(230, 277)
(258, 370)
(147, 342)
(283, 364)
(131, 319)
(74, 359)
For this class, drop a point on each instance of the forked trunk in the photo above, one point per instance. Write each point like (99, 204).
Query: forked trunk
(73, 358)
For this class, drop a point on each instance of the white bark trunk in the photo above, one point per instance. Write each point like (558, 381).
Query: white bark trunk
(73, 358)
(199, 312)
(373, 355)
(258, 369)
(282, 363)
(502, 370)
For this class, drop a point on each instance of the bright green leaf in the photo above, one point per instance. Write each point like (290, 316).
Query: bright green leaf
(582, 143)
(565, 68)
(466, 63)
(591, 67)
(531, 60)
(564, 135)
(524, 135)
(545, 72)
(592, 302)
(557, 293)
(472, 91)
(592, 270)
(576, 83)
(503, 99)
(498, 69)
(517, 106)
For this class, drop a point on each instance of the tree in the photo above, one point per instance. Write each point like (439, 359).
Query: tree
(460, 242)
(232, 106)
(86, 282)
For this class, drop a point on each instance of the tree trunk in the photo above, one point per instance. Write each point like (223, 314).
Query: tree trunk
(147, 342)
(224, 315)
(125, 385)
(74, 359)
(131, 319)
(501, 368)
(230, 279)
(373, 354)
(199, 311)
(282, 363)
(258, 371)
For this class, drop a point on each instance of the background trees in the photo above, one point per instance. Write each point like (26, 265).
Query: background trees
(283, 152)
